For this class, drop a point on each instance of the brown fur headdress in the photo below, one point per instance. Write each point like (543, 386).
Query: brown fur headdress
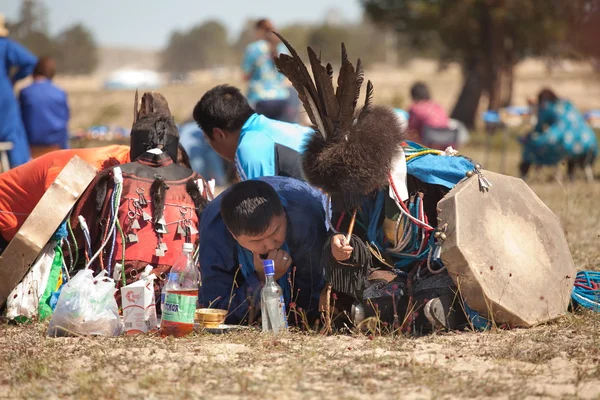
(351, 153)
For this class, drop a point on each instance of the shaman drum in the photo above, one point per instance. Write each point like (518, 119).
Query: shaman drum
(506, 251)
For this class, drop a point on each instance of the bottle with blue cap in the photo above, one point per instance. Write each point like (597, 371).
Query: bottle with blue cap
(272, 303)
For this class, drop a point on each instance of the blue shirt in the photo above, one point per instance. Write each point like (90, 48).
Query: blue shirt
(220, 263)
(270, 148)
(265, 83)
(45, 113)
(203, 159)
(13, 58)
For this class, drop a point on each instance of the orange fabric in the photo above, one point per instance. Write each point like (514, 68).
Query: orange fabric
(22, 188)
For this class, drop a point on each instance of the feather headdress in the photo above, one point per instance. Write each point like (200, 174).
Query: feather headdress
(351, 153)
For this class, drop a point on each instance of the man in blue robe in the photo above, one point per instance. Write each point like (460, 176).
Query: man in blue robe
(13, 57)
(259, 146)
(277, 218)
(45, 111)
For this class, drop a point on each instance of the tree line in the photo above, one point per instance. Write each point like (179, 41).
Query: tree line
(207, 46)
(74, 48)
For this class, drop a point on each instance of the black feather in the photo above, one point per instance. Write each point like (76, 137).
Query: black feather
(368, 101)
(328, 106)
(346, 89)
(135, 106)
(330, 70)
(158, 191)
(296, 71)
(360, 77)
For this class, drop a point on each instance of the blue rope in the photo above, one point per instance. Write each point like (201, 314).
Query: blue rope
(586, 291)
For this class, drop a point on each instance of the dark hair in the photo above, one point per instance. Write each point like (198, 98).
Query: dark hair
(45, 67)
(419, 91)
(223, 107)
(263, 23)
(546, 95)
(248, 207)
(183, 158)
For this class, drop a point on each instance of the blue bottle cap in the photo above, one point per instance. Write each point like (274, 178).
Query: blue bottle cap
(269, 266)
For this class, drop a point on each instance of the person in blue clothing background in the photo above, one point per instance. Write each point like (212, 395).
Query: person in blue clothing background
(259, 146)
(203, 159)
(561, 133)
(276, 218)
(13, 57)
(45, 111)
(268, 90)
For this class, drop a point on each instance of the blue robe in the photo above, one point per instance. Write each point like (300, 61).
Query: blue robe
(45, 113)
(13, 57)
(561, 132)
(222, 260)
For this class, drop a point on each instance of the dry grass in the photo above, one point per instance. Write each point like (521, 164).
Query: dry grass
(558, 360)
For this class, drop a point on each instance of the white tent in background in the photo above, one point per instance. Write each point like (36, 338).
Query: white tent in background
(133, 79)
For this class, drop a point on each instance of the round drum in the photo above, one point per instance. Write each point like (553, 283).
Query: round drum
(506, 251)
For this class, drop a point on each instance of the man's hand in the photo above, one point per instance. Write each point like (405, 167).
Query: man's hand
(281, 259)
(340, 250)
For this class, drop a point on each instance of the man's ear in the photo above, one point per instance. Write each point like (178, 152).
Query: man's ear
(219, 134)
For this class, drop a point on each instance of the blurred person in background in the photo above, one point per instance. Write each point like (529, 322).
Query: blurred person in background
(258, 146)
(45, 111)
(16, 63)
(203, 159)
(561, 133)
(427, 120)
(268, 90)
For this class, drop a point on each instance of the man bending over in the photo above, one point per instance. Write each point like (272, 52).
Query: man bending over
(259, 146)
(276, 218)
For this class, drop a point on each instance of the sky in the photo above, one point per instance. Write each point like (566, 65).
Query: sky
(146, 24)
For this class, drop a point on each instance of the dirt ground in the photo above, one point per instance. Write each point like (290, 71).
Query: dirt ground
(557, 360)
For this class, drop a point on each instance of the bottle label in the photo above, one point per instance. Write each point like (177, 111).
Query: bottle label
(179, 308)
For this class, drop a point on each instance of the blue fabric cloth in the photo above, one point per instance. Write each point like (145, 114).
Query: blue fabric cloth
(561, 132)
(439, 170)
(203, 158)
(13, 57)
(45, 113)
(255, 155)
(306, 236)
(265, 82)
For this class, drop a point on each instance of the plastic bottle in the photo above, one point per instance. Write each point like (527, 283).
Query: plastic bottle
(272, 303)
(181, 295)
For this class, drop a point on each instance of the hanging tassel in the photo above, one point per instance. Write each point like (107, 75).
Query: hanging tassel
(200, 202)
(158, 191)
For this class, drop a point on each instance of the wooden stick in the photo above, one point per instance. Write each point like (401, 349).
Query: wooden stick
(351, 227)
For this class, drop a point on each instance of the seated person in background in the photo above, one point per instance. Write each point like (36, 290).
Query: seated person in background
(45, 111)
(258, 145)
(276, 218)
(561, 133)
(424, 113)
(203, 159)
(22, 188)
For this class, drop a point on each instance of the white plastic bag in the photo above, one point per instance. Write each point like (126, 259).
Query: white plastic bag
(87, 306)
(24, 300)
